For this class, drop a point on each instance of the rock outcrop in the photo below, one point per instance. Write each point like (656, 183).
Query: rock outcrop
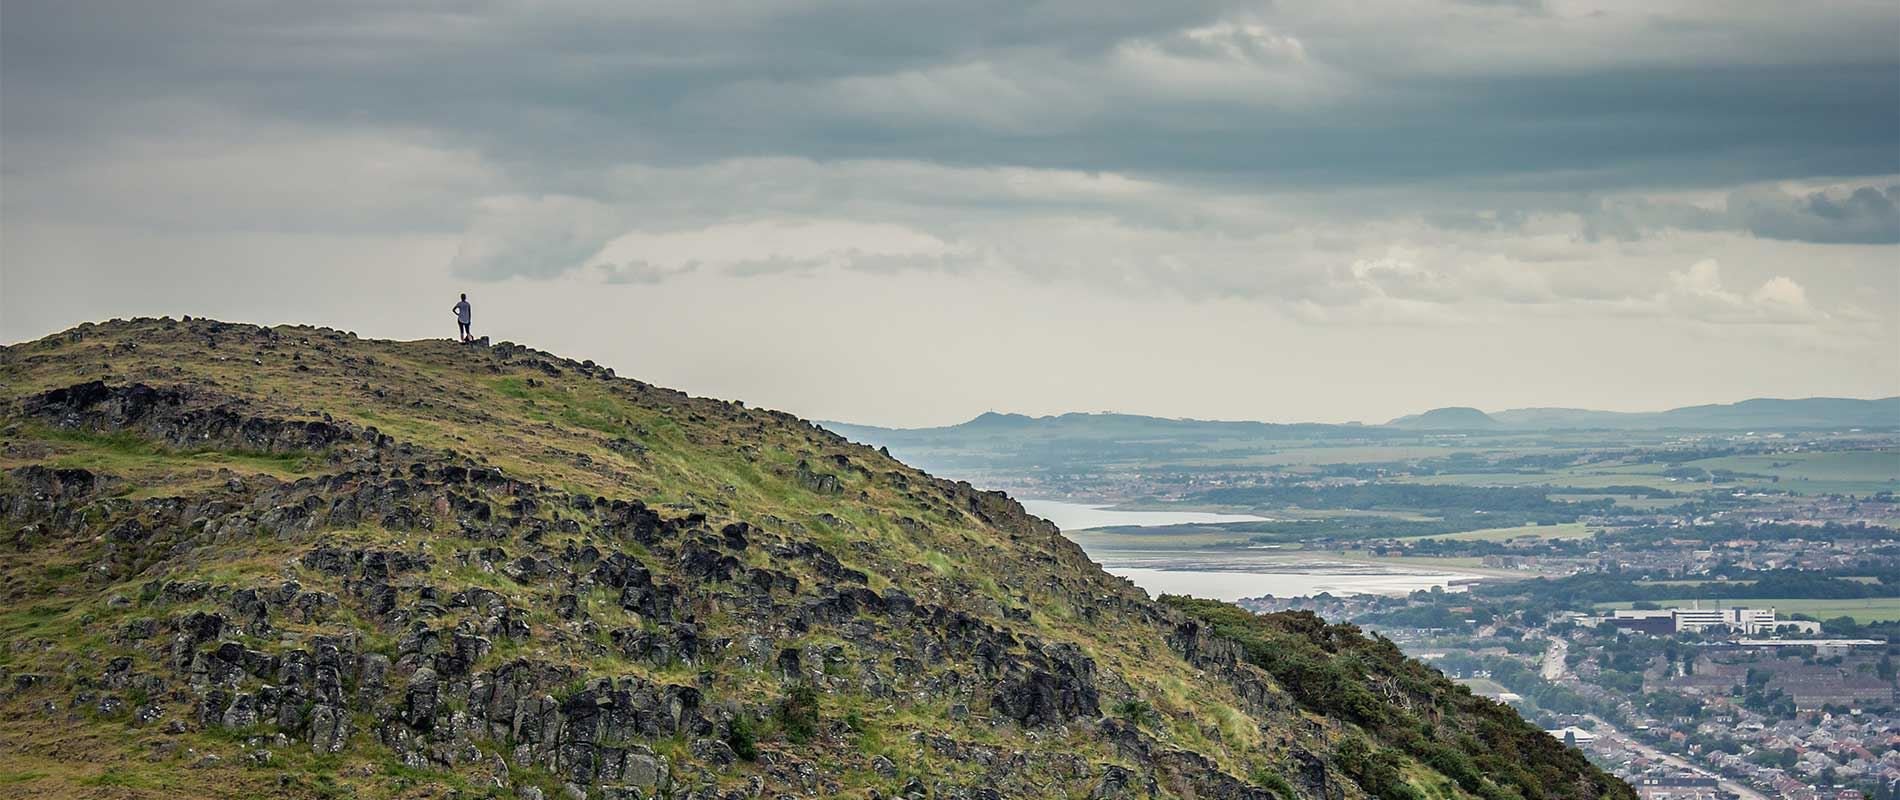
(294, 562)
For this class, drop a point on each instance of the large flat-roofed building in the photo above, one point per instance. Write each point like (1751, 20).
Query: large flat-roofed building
(1746, 620)
(1677, 620)
(1696, 619)
(1653, 621)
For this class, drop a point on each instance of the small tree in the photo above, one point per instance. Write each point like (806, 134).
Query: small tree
(1137, 712)
(797, 714)
(742, 738)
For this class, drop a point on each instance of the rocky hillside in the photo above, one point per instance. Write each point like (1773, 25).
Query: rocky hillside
(288, 562)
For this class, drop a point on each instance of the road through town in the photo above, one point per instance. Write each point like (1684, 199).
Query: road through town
(1740, 790)
(1554, 669)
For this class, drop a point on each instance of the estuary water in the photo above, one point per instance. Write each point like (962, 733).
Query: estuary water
(1234, 574)
(1077, 516)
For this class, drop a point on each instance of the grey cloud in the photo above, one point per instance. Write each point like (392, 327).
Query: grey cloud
(773, 265)
(1843, 215)
(1215, 149)
(533, 236)
(1866, 215)
(1505, 219)
(853, 260)
(550, 95)
(1525, 6)
(1633, 218)
(640, 271)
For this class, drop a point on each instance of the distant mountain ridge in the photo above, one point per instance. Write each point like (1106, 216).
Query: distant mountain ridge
(1811, 412)
(1758, 413)
(1103, 424)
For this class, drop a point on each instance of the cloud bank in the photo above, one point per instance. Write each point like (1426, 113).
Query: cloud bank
(1501, 165)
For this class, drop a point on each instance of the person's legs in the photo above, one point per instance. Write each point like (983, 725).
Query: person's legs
(464, 327)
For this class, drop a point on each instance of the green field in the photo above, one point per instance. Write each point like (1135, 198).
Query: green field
(1624, 500)
(1568, 530)
(1873, 609)
(1465, 564)
(1855, 472)
(1595, 478)
(1860, 472)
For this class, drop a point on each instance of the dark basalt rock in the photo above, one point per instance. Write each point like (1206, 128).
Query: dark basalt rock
(735, 536)
(50, 485)
(168, 416)
(819, 482)
(702, 563)
(369, 564)
(1050, 696)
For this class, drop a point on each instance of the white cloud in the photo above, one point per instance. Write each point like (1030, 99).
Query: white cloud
(1700, 294)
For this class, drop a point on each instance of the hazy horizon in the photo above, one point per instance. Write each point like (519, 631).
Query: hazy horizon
(907, 215)
(1106, 412)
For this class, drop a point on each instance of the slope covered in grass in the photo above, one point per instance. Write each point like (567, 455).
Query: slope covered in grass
(244, 561)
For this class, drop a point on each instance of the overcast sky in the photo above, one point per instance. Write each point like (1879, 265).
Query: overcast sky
(908, 213)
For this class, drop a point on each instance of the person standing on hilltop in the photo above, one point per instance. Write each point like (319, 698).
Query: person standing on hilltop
(463, 313)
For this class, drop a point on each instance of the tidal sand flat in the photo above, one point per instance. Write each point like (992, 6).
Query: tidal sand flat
(1230, 574)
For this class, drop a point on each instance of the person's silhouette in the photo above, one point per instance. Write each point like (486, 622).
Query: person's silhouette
(462, 316)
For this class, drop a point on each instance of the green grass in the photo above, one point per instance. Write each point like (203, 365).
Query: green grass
(1568, 530)
(125, 778)
(1557, 480)
(1625, 500)
(19, 776)
(1855, 472)
(152, 468)
(1859, 472)
(1470, 564)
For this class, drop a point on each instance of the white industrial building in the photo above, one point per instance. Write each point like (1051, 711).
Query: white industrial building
(1748, 621)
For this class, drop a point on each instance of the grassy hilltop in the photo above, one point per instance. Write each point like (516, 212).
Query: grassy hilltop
(245, 561)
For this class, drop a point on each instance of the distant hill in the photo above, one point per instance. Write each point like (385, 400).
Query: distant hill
(1100, 425)
(1811, 413)
(1807, 413)
(1454, 418)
